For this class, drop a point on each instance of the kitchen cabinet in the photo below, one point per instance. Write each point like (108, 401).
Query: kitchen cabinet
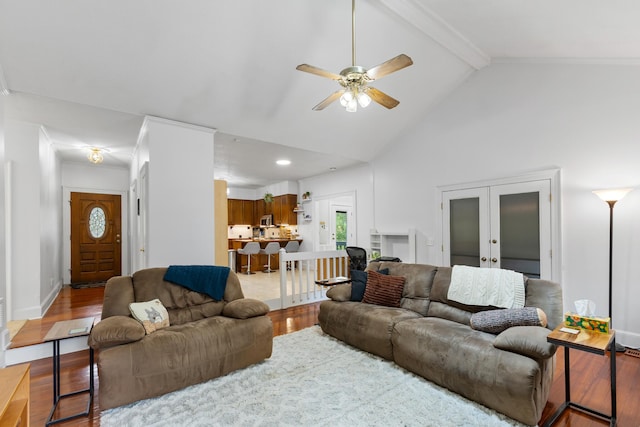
(277, 210)
(249, 211)
(241, 211)
(283, 209)
(260, 210)
(289, 204)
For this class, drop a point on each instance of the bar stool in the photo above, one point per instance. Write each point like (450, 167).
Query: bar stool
(249, 249)
(270, 249)
(291, 246)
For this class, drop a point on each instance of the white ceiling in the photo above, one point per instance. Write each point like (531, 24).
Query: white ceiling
(89, 71)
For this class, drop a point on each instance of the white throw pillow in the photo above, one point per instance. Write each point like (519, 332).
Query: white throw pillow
(151, 314)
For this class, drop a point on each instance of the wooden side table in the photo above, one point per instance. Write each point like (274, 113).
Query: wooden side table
(14, 395)
(592, 342)
(333, 281)
(60, 331)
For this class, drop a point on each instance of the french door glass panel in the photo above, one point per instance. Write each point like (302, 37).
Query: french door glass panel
(465, 236)
(466, 227)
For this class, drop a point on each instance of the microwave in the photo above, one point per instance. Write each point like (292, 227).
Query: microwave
(266, 220)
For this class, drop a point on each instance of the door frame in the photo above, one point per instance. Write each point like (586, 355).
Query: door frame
(553, 175)
(66, 228)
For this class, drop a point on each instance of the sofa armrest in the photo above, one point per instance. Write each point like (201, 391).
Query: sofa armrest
(340, 292)
(529, 341)
(118, 294)
(115, 330)
(245, 308)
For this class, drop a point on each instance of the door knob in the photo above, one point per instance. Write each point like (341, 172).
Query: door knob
(494, 259)
(494, 241)
(483, 259)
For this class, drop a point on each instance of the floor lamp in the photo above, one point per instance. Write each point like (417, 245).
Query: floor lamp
(611, 197)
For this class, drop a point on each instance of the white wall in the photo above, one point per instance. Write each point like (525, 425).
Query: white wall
(356, 180)
(50, 223)
(4, 335)
(510, 119)
(35, 219)
(180, 199)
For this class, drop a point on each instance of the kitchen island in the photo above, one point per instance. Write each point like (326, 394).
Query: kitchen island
(258, 261)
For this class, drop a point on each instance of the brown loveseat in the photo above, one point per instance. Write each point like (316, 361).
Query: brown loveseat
(205, 339)
(431, 336)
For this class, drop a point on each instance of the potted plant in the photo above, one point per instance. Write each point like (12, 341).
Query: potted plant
(306, 195)
(268, 197)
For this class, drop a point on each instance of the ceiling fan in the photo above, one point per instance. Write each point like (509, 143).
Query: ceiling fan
(355, 79)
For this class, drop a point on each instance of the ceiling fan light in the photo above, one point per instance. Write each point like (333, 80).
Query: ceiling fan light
(363, 99)
(346, 98)
(352, 106)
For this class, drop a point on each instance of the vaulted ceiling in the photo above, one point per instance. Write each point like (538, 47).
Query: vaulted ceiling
(89, 71)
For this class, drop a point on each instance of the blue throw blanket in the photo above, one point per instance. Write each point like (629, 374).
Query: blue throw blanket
(206, 279)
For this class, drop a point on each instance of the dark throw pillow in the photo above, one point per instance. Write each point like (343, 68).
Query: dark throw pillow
(359, 283)
(383, 290)
(496, 321)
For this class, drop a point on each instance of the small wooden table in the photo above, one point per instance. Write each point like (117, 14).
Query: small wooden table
(333, 281)
(592, 342)
(60, 331)
(14, 396)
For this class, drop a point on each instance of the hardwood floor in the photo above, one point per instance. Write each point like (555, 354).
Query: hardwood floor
(589, 385)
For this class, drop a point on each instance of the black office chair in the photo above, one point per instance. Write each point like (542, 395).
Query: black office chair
(357, 257)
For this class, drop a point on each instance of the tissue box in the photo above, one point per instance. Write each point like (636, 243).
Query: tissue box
(589, 323)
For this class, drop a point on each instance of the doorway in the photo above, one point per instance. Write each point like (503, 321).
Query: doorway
(96, 237)
(341, 227)
(501, 225)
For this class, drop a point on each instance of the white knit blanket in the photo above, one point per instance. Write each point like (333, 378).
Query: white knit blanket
(487, 286)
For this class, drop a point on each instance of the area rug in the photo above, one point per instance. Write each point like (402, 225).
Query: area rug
(84, 285)
(311, 379)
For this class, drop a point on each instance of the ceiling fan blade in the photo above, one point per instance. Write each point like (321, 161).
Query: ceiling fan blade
(381, 97)
(399, 62)
(318, 71)
(328, 100)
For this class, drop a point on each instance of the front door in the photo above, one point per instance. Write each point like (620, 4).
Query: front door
(95, 237)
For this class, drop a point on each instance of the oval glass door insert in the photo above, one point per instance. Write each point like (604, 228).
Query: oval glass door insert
(97, 222)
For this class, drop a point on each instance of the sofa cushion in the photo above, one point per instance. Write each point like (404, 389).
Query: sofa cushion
(496, 321)
(115, 330)
(383, 290)
(359, 283)
(417, 285)
(526, 340)
(245, 308)
(151, 314)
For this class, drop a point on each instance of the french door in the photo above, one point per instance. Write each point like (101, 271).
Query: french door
(500, 226)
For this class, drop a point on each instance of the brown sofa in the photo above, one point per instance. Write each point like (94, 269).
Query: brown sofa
(431, 336)
(205, 339)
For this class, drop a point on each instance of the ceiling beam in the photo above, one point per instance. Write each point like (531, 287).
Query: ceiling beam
(429, 23)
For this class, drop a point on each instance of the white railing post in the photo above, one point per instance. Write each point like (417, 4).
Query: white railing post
(302, 289)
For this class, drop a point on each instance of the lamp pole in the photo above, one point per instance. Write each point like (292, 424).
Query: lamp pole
(611, 197)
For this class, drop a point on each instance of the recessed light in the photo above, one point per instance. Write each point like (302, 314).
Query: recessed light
(283, 162)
